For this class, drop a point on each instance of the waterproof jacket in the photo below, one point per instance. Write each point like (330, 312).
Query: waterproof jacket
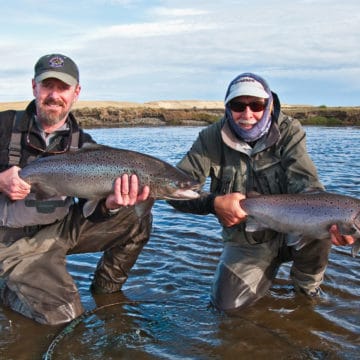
(277, 163)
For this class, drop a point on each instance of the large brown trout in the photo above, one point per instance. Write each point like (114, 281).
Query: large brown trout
(90, 173)
(305, 216)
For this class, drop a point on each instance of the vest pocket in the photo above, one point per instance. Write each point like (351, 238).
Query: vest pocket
(222, 183)
(270, 179)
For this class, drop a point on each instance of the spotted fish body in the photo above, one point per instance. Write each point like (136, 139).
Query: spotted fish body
(305, 216)
(90, 173)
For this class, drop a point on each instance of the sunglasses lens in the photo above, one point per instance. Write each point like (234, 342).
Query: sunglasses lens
(255, 106)
(237, 106)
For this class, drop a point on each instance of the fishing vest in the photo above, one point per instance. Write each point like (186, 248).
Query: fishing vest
(15, 140)
(47, 206)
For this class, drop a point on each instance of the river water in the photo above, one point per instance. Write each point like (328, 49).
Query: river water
(163, 313)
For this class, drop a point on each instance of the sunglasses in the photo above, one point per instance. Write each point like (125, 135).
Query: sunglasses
(254, 106)
(51, 148)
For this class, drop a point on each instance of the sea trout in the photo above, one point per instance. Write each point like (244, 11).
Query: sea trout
(90, 173)
(305, 216)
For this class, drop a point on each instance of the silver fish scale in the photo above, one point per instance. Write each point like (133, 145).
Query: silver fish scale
(307, 215)
(90, 172)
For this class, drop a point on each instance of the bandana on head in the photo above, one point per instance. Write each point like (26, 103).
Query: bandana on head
(262, 126)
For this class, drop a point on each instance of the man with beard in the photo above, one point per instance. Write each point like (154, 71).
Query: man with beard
(254, 148)
(36, 236)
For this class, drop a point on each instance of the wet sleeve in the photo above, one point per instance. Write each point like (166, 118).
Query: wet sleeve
(202, 206)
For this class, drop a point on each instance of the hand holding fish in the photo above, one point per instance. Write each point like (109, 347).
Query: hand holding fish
(126, 192)
(12, 185)
(228, 210)
(338, 239)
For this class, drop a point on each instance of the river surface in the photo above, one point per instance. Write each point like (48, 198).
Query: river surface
(163, 313)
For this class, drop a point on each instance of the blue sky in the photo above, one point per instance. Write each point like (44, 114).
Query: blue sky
(143, 50)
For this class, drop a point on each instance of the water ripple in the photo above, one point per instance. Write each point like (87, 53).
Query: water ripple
(163, 312)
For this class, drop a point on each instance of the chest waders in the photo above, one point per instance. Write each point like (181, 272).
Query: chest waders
(44, 207)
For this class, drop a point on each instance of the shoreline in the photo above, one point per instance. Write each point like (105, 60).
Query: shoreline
(161, 104)
(188, 113)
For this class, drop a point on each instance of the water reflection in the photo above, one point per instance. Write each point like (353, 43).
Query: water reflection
(163, 310)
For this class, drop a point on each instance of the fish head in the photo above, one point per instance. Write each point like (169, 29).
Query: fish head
(354, 231)
(174, 184)
(356, 246)
(357, 223)
(176, 189)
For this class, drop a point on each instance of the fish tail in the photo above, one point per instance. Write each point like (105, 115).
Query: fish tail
(355, 248)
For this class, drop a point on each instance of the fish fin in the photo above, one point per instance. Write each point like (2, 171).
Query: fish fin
(355, 248)
(252, 194)
(94, 146)
(89, 207)
(252, 225)
(43, 192)
(297, 241)
(312, 190)
(89, 145)
(293, 239)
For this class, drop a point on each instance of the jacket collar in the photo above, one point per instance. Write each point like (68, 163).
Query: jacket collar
(265, 142)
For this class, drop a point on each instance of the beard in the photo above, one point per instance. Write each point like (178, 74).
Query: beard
(48, 116)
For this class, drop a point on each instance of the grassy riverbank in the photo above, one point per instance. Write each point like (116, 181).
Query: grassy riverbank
(191, 112)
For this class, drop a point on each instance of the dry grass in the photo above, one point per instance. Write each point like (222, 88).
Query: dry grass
(176, 104)
(180, 112)
(18, 105)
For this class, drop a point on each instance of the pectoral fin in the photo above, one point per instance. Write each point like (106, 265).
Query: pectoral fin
(252, 225)
(89, 207)
(297, 241)
(43, 192)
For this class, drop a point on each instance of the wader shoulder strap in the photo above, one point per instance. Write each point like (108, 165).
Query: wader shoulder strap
(75, 138)
(15, 141)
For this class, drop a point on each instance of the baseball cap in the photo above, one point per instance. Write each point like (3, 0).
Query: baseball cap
(246, 86)
(57, 66)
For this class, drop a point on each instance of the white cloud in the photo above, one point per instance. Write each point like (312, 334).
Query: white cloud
(150, 29)
(177, 12)
(136, 48)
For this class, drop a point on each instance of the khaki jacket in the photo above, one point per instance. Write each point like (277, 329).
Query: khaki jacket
(278, 163)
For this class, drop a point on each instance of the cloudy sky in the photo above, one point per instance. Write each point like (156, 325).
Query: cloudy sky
(144, 50)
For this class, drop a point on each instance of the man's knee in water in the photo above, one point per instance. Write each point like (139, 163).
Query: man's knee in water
(231, 293)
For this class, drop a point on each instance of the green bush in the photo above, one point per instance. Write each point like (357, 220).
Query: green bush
(322, 120)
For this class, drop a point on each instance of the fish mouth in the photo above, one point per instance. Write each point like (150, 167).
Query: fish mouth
(183, 194)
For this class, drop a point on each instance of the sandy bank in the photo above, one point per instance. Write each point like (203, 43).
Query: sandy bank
(165, 104)
(187, 112)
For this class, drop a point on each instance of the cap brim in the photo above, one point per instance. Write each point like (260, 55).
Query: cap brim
(247, 91)
(67, 79)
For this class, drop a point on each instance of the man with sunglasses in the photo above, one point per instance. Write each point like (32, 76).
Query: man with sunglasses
(254, 148)
(36, 236)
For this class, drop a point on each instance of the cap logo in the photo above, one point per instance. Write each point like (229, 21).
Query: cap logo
(246, 80)
(56, 62)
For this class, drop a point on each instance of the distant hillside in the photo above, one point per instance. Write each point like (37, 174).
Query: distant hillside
(188, 112)
(322, 115)
(150, 114)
